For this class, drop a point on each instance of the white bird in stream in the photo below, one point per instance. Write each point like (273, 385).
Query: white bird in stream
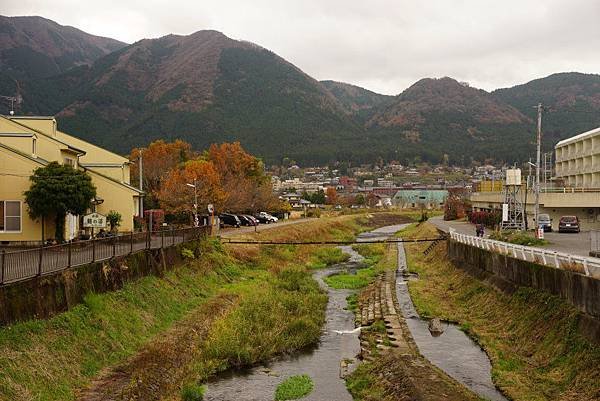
(356, 330)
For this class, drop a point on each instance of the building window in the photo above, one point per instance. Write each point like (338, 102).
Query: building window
(10, 216)
(69, 162)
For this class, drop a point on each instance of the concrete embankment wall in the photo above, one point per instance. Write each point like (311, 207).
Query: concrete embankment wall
(42, 297)
(507, 274)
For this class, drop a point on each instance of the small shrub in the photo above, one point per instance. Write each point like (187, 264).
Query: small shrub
(517, 237)
(187, 253)
(294, 387)
(192, 392)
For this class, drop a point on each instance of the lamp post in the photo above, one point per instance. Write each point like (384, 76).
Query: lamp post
(194, 185)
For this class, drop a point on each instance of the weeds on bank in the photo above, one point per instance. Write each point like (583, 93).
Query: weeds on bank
(517, 237)
(531, 337)
(294, 387)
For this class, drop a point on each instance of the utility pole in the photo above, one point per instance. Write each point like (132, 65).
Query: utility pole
(196, 221)
(540, 108)
(141, 184)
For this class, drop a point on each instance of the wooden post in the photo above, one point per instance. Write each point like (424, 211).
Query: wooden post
(162, 238)
(41, 255)
(93, 250)
(131, 243)
(3, 264)
(114, 244)
(69, 254)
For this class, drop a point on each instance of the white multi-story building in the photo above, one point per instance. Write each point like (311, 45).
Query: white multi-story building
(578, 160)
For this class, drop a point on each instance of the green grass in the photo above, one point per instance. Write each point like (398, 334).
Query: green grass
(193, 392)
(517, 237)
(327, 256)
(531, 337)
(294, 387)
(360, 279)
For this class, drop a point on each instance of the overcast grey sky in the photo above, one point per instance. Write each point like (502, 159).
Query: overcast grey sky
(383, 45)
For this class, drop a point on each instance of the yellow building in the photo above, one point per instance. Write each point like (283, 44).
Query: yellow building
(27, 143)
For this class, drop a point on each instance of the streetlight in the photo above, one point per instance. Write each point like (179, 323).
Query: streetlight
(196, 222)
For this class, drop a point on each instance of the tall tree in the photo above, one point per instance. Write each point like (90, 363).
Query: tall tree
(175, 196)
(56, 190)
(332, 196)
(158, 159)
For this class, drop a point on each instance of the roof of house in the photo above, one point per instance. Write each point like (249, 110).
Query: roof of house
(31, 157)
(12, 120)
(579, 137)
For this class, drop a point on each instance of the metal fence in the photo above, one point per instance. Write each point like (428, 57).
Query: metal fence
(560, 260)
(23, 264)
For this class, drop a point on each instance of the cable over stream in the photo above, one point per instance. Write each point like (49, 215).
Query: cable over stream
(352, 242)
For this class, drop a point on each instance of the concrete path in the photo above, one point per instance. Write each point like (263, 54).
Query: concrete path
(574, 243)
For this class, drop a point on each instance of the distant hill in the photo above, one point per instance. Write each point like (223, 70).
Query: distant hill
(206, 88)
(573, 100)
(34, 47)
(357, 101)
(437, 117)
(202, 88)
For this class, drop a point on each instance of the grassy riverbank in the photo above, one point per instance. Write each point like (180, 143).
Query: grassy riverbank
(531, 337)
(233, 306)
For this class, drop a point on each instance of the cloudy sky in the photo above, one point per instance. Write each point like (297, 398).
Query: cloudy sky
(383, 45)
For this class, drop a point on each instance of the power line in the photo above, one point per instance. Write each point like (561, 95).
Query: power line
(392, 241)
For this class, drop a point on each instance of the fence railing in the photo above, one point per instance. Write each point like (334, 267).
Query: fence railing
(560, 260)
(22, 264)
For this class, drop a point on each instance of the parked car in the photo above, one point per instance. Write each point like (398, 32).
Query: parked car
(246, 220)
(229, 220)
(252, 219)
(545, 222)
(569, 224)
(266, 218)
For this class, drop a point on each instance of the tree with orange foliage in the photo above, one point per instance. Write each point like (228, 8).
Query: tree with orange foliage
(159, 158)
(243, 179)
(175, 196)
(332, 196)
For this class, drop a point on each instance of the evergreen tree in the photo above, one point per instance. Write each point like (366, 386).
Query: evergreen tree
(57, 190)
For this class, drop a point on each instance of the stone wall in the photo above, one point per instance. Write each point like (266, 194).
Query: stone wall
(42, 297)
(507, 274)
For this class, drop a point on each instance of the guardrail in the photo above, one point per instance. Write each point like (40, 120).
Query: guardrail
(23, 264)
(559, 260)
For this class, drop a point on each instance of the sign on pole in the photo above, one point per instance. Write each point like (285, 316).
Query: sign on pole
(505, 212)
(94, 220)
(210, 208)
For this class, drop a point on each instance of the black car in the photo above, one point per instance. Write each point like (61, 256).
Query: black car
(229, 220)
(246, 220)
(569, 224)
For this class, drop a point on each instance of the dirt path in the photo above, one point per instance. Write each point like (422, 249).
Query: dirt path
(160, 367)
(395, 359)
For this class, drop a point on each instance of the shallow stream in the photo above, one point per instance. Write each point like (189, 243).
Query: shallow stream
(453, 351)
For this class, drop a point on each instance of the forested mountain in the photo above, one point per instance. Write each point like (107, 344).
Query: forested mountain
(444, 119)
(572, 100)
(207, 88)
(33, 47)
(359, 102)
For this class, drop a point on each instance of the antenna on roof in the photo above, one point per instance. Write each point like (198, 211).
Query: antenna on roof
(12, 99)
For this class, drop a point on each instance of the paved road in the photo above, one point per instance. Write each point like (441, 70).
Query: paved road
(230, 232)
(574, 243)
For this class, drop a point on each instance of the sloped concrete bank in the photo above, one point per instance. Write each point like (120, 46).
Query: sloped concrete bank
(508, 274)
(44, 296)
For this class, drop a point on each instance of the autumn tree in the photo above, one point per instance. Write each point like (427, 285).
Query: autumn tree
(332, 196)
(175, 196)
(159, 158)
(243, 178)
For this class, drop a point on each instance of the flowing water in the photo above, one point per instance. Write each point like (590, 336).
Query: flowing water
(453, 351)
(322, 363)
